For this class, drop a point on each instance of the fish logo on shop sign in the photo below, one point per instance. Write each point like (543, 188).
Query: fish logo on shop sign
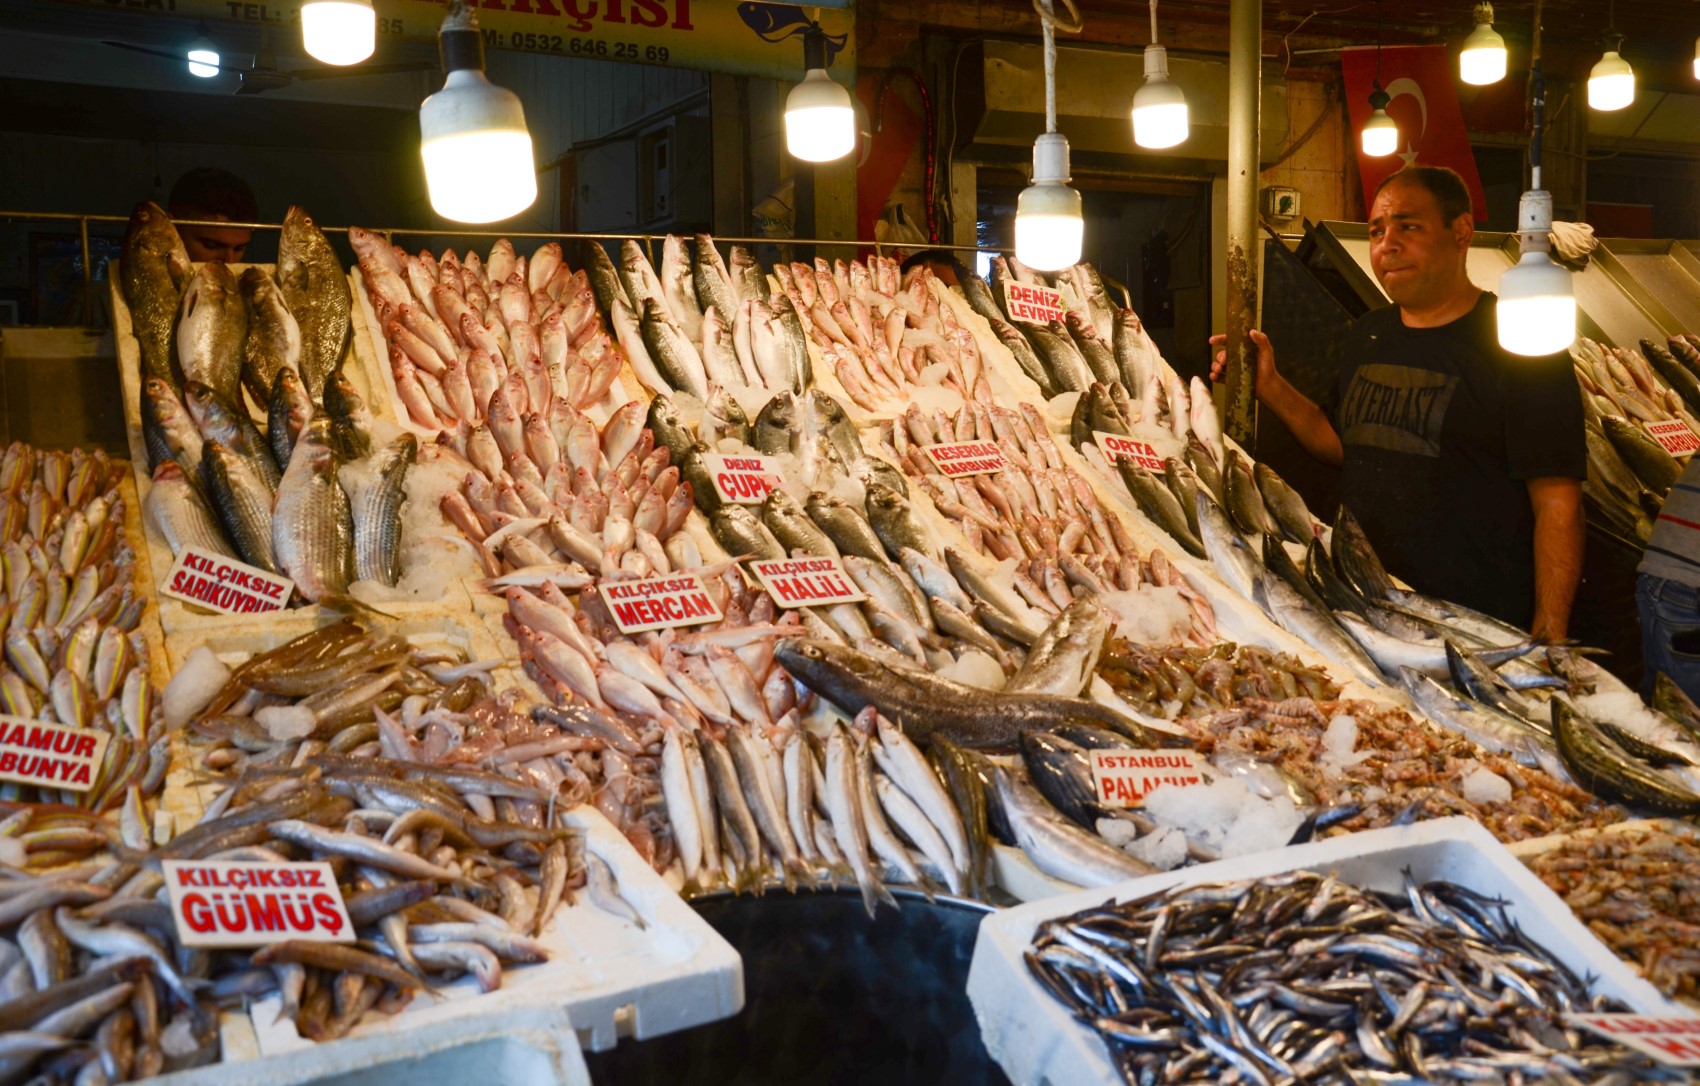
(777, 22)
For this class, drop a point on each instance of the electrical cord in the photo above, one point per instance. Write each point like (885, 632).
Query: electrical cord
(929, 150)
(1075, 24)
(1315, 127)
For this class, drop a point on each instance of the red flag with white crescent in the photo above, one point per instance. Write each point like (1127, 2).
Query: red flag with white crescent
(1423, 102)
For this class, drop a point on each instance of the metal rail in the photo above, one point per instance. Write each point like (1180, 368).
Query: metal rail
(389, 232)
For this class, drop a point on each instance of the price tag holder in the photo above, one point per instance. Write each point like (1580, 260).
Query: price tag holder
(1032, 304)
(50, 755)
(1124, 776)
(805, 582)
(224, 585)
(1116, 447)
(742, 480)
(1674, 436)
(659, 603)
(1673, 1040)
(958, 458)
(217, 903)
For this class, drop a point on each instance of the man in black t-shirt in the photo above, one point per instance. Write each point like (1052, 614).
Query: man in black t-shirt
(1462, 461)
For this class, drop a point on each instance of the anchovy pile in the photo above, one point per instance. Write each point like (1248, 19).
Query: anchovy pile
(313, 497)
(71, 612)
(1303, 977)
(475, 343)
(883, 338)
(1628, 472)
(1637, 890)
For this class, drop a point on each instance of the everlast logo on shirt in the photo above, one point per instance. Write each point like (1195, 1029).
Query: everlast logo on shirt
(1397, 408)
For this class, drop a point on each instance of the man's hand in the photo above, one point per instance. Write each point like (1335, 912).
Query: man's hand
(1560, 533)
(1306, 421)
(1266, 373)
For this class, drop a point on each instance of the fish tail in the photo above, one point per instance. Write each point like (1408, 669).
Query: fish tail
(870, 896)
(884, 895)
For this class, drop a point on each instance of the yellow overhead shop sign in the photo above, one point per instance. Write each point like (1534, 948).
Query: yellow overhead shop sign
(761, 39)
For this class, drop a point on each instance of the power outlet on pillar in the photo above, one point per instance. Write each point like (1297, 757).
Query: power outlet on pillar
(1280, 203)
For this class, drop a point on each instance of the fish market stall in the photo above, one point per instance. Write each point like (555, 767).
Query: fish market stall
(538, 600)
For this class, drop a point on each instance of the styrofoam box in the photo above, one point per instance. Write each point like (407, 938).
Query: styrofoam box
(509, 1048)
(174, 615)
(1037, 1041)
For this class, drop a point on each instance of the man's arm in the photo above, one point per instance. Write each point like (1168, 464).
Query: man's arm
(1560, 532)
(1307, 422)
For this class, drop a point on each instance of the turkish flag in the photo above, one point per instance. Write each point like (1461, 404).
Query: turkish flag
(1419, 80)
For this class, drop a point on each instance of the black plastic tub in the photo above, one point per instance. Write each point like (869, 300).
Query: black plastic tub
(829, 997)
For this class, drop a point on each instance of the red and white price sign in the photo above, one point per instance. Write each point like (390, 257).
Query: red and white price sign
(224, 584)
(232, 903)
(1123, 776)
(1115, 447)
(659, 603)
(49, 755)
(1675, 436)
(742, 480)
(959, 458)
(1670, 1039)
(1032, 304)
(805, 582)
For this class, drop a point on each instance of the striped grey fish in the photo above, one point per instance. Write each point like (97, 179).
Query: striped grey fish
(375, 488)
(313, 527)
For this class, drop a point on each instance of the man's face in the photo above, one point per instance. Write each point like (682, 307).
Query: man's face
(226, 243)
(1417, 256)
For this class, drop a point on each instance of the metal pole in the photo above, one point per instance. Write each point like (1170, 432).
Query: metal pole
(88, 273)
(1245, 46)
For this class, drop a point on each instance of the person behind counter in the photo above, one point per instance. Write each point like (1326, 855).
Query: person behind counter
(1462, 461)
(1667, 588)
(213, 194)
(949, 270)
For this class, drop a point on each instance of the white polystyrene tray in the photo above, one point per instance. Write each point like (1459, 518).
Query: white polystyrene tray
(532, 1046)
(612, 978)
(1037, 1041)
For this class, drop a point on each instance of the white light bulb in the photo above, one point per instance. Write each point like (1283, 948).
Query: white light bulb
(338, 31)
(1049, 224)
(477, 150)
(1537, 306)
(1159, 105)
(1482, 60)
(820, 124)
(1697, 58)
(203, 59)
(1380, 136)
(1611, 85)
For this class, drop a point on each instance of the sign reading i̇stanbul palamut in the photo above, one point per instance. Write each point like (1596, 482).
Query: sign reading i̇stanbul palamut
(761, 39)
